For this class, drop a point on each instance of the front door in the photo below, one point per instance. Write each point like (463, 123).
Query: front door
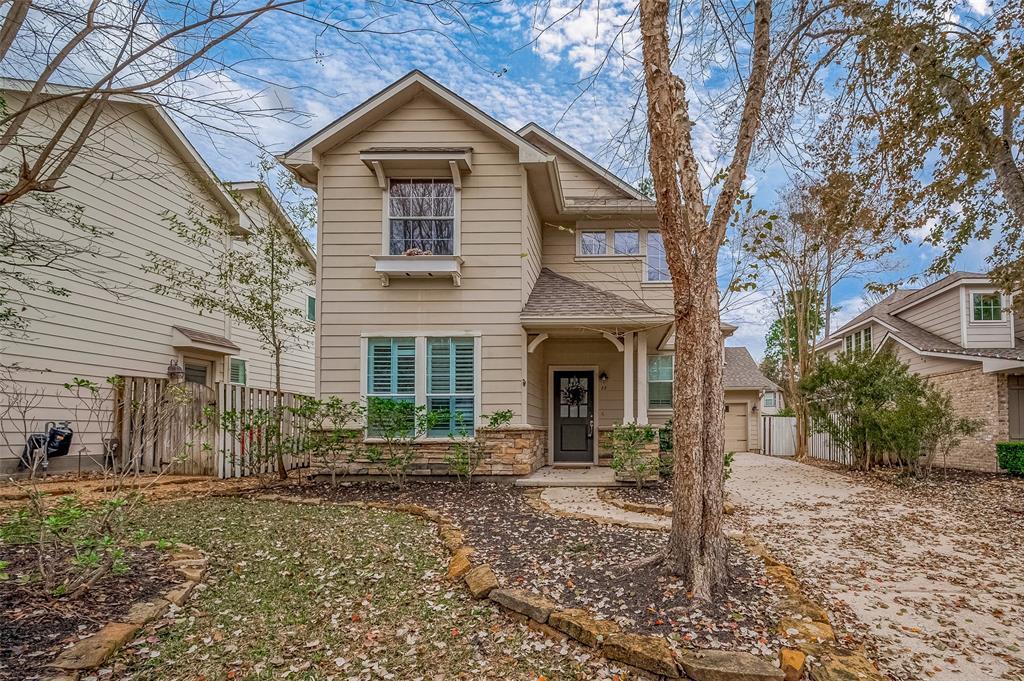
(574, 416)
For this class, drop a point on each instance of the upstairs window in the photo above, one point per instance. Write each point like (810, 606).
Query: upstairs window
(659, 382)
(859, 340)
(987, 307)
(656, 268)
(608, 242)
(769, 400)
(626, 243)
(311, 308)
(421, 216)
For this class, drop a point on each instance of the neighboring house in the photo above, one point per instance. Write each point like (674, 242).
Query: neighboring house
(961, 334)
(469, 267)
(772, 402)
(136, 169)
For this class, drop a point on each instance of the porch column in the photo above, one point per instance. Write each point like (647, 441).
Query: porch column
(627, 378)
(641, 378)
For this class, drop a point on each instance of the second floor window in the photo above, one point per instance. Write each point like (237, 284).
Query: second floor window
(861, 340)
(421, 216)
(769, 399)
(988, 307)
(657, 265)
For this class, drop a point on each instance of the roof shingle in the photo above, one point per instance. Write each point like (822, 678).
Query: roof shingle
(741, 371)
(557, 296)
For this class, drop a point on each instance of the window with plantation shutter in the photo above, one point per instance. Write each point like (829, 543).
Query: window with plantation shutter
(391, 370)
(451, 384)
(238, 371)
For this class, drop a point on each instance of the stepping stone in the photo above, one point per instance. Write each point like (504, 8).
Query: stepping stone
(179, 595)
(650, 653)
(481, 581)
(582, 626)
(91, 652)
(525, 602)
(724, 665)
(146, 611)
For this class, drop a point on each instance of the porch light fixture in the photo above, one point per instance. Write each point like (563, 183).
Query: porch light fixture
(174, 371)
(603, 378)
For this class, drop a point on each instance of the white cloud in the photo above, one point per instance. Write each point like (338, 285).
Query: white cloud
(848, 309)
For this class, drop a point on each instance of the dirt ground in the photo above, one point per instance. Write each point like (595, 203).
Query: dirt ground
(927, 573)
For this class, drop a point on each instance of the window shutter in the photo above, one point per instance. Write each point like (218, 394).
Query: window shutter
(405, 365)
(238, 371)
(311, 308)
(379, 374)
(463, 372)
(439, 366)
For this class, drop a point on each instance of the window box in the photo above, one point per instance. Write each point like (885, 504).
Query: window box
(444, 266)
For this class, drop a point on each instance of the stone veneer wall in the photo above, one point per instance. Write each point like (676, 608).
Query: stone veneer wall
(980, 396)
(513, 450)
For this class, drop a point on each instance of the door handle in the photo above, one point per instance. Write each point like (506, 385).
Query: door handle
(590, 428)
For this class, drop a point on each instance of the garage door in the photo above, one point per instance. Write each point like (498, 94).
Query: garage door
(736, 427)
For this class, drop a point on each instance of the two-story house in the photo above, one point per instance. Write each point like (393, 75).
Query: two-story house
(960, 333)
(135, 171)
(472, 268)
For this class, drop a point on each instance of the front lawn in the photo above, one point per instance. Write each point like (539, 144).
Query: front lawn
(321, 592)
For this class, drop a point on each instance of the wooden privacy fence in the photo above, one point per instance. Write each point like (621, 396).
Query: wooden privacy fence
(181, 430)
(778, 435)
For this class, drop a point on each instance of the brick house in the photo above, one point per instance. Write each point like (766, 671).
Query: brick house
(960, 333)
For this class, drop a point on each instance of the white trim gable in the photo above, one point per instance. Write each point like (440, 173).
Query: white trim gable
(304, 158)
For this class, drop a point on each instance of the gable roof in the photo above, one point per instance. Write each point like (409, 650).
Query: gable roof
(913, 336)
(163, 123)
(304, 159)
(741, 371)
(557, 297)
(602, 173)
(298, 240)
(916, 296)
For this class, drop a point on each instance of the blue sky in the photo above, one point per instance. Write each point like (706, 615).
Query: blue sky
(510, 68)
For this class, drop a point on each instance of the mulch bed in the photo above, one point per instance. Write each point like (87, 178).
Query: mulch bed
(657, 493)
(580, 563)
(34, 627)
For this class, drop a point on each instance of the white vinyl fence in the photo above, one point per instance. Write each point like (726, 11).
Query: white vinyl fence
(778, 435)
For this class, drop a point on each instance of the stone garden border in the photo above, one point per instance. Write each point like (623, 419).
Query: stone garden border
(91, 652)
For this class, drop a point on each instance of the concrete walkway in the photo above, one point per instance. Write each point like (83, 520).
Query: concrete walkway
(584, 476)
(938, 595)
(584, 501)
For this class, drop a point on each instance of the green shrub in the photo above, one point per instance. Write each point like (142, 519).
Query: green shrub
(629, 456)
(468, 451)
(1011, 457)
(727, 466)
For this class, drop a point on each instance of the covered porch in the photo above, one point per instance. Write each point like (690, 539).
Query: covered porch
(587, 361)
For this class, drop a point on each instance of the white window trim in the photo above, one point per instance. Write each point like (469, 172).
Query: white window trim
(244, 360)
(421, 370)
(671, 380)
(385, 230)
(986, 322)
(645, 281)
(609, 254)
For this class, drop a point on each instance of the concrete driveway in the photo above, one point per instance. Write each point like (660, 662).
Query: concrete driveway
(930, 576)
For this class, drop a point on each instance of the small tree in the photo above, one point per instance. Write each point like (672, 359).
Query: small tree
(468, 450)
(872, 405)
(254, 279)
(628, 444)
(398, 424)
(327, 433)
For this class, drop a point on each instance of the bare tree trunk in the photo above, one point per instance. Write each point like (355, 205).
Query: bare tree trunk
(696, 549)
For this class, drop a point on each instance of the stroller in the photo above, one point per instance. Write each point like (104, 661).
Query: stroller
(41, 447)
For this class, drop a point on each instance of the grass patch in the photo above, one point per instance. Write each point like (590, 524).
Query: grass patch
(308, 592)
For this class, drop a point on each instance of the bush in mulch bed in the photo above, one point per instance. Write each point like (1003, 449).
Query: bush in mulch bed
(579, 563)
(35, 627)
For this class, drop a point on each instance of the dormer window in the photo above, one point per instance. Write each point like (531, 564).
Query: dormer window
(421, 217)
(986, 307)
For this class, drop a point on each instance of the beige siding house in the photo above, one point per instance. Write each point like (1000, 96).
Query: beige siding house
(136, 169)
(472, 268)
(961, 333)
